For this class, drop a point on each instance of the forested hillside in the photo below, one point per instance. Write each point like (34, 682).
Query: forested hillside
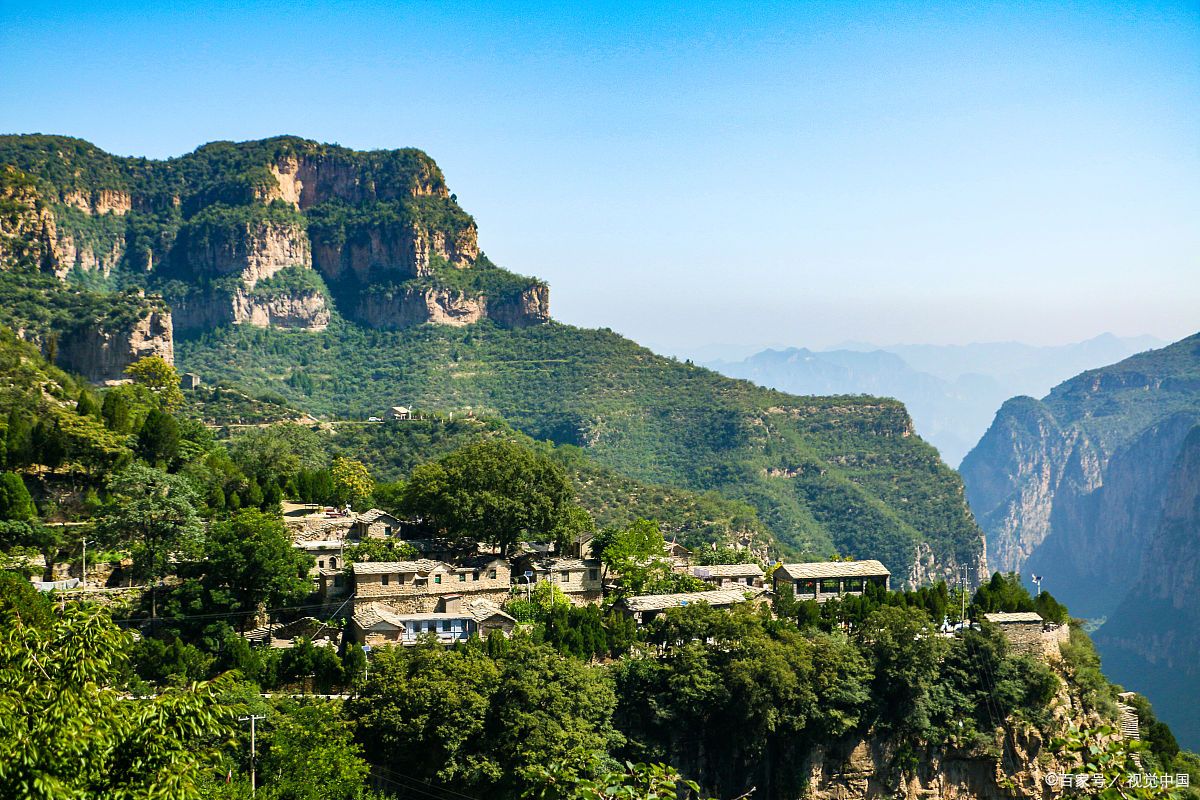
(344, 282)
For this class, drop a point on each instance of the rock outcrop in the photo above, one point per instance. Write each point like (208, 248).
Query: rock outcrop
(101, 352)
(201, 311)
(253, 251)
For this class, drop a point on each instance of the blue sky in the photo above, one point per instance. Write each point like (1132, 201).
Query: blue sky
(695, 174)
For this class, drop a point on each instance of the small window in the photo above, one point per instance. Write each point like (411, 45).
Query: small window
(437, 578)
(384, 580)
(321, 563)
(387, 530)
(333, 563)
(491, 573)
(565, 576)
(462, 576)
(474, 576)
(593, 574)
(445, 626)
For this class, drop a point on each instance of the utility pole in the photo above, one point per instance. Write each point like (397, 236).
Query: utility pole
(83, 571)
(252, 719)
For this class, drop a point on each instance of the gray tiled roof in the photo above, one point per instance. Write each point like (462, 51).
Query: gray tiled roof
(835, 569)
(658, 602)
(728, 571)
(1003, 618)
(422, 565)
(370, 615)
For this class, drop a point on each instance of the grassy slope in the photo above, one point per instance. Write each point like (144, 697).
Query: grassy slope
(856, 480)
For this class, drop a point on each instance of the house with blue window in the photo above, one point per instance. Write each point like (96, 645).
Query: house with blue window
(455, 620)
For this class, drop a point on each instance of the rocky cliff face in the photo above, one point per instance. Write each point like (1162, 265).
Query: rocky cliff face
(392, 250)
(101, 352)
(207, 228)
(1013, 475)
(1153, 637)
(1090, 488)
(303, 310)
(253, 251)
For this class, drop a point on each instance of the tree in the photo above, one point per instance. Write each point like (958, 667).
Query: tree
(155, 514)
(18, 440)
(115, 411)
(249, 561)
(87, 406)
(635, 552)
(351, 480)
(309, 754)
(381, 550)
(158, 440)
(159, 377)
(157, 747)
(15, 501)
(48, 540)
(494, 491)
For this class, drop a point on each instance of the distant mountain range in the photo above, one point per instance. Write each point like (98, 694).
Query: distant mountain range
(952, 391)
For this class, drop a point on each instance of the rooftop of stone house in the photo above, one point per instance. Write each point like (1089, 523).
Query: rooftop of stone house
(658, 602)
(728, 571)
(388, 567)
(1012, 617)
(835, 569)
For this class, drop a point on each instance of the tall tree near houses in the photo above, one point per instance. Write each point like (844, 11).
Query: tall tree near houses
(250, 561)
(155, 515)
(496, 492)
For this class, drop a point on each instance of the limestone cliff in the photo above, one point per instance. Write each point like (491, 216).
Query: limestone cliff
(207, 228)
(253, 250)
(298, 309)
(101, 350)
(1153, 637)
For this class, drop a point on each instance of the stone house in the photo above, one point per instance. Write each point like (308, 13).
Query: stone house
(1027, 633)
(644, 608)
(326, 553)
(821, 580)
(374, 524)
(399, 412)
(679, 556)
(725, 576)
(456, 619)
(417, 586)
(579, 579)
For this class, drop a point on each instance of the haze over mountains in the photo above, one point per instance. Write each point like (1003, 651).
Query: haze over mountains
(951, 391)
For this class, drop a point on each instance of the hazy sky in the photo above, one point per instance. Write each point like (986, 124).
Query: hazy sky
(693, 174)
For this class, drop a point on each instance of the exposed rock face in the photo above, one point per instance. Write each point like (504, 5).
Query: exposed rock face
(409, 307)
(101, 201)
(1153, 637)
(198, 312)
(1013, 475)
(532, 307)
(927, 568)
(306, 310)
(254, 252)
(101, 355)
